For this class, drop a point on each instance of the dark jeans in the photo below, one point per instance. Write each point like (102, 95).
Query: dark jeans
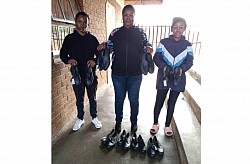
(160, 98)
(80, 92)
(122, 85)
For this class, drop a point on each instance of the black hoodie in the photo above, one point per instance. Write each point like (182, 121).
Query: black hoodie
(81, 48)
(127, 47)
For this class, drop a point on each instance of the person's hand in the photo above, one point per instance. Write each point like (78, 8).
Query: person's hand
(180, 71)
(72, 62)
(101, 46)
(164, 71)
(91, 63)
(149, 49)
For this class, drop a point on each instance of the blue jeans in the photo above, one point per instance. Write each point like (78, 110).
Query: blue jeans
(79, 93)
(122, 85)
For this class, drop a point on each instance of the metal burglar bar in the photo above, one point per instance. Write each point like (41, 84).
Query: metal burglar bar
(158, 32)
(58, 33)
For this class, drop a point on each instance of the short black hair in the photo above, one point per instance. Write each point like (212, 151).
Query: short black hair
(179, 19)
(128, 7)
(81, 13)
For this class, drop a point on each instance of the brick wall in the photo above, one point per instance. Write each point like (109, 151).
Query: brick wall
(63, 98)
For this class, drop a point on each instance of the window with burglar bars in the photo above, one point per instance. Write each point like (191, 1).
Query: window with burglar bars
(62, 15)
(158, 32)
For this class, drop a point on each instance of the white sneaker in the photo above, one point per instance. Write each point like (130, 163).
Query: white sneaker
(97, 123)
(78, 124)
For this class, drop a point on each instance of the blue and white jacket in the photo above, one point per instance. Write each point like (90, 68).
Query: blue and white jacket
(173, 53)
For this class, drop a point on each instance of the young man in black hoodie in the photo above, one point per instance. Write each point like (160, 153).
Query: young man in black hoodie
(78, 50)
(126, 43)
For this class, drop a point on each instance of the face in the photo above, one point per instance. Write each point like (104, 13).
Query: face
(178, 29)
(128, 18)
(81, 24)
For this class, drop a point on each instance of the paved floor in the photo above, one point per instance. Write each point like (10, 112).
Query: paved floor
(82, 147)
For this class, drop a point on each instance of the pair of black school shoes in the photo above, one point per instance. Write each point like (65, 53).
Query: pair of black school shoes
(76, 78)
(89, 76)
(147, 64)
(123, 141)
(138, 144)
(154, 147)
(110, 140)
(103, 60)
(177, 74)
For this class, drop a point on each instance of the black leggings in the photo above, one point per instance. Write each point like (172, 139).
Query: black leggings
(160, 98)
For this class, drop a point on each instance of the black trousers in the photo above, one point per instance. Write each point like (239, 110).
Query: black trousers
(160, 98)
(79, 93)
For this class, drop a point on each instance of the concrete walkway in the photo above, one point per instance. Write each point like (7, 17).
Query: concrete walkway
(82, 147)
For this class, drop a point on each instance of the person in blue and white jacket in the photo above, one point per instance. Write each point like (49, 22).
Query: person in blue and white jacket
(173, 57)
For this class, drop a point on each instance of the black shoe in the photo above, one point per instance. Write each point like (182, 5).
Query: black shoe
(151, 148)
(111, 140)
(118, 127)
(126, 143)
(89, 76)
(133, 128)
(167, 73)
(151, 66)
(103, 59)
(141, 145)
(177, 75)
(122, 138)
(160, 149)
(76, 79)
(134, 142)
(105, 140)
(144, 64)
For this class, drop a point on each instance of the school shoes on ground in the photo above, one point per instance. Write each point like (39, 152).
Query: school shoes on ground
(151, 148)
(126, 144)
(134, 142)
(110, 140)
(123, 141)
(96, 123)
(141, 145)
(104, 140)
(122, 138)
(78, 124)
(160, 149)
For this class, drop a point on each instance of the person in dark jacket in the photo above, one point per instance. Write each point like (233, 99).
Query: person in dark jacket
(79, 49)
(126, 43)
(173, 57)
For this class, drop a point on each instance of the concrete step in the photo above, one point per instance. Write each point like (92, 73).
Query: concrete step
(186, 123)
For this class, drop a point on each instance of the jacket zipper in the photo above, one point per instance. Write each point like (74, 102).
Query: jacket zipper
(127, 54)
